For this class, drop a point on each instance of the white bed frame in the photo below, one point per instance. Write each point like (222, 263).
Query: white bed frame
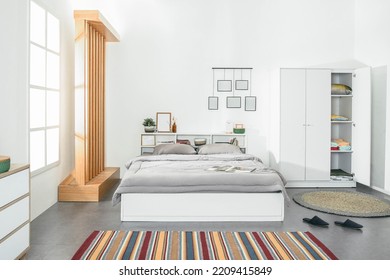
(202, 207)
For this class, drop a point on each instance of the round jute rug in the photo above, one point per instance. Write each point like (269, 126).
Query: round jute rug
(344, 203)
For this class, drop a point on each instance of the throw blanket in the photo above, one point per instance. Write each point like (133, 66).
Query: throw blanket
(190, 173)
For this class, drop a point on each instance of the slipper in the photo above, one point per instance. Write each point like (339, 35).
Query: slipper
(349, 224)
(316, 221)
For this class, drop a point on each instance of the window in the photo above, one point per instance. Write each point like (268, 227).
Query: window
(44, 89)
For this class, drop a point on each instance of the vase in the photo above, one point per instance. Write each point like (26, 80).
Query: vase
(150, 128)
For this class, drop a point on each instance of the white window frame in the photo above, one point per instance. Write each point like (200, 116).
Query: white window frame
(45, 88)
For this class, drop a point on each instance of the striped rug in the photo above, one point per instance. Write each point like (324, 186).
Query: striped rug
(212, 245)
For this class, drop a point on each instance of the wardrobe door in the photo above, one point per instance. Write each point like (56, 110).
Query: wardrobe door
(292, 122)
(318, 111)
(361, 132)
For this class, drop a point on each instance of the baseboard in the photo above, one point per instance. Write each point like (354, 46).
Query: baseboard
(321, 184)
(93, 191)
(380, 190)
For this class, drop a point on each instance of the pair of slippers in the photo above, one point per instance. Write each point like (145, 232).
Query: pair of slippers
(316, 221)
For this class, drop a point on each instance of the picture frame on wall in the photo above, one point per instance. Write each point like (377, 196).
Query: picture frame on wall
(163, 122)
(233, 102)
(213, 103)
(224, 85)
(242, 85)
(250, 103)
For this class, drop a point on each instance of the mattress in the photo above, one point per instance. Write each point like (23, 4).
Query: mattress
(198, 173)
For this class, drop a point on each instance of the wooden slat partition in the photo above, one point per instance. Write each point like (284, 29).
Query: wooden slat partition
(92, 35)
(91, 179)
(95, 103)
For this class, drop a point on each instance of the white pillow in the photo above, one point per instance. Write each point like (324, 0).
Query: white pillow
(182, 149)
(219, 149)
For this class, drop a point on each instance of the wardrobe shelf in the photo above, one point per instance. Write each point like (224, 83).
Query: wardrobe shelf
(341, 122)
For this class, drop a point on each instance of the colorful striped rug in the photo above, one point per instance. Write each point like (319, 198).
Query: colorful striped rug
(191, 245)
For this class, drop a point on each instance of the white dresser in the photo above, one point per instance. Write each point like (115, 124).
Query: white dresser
(14, 212)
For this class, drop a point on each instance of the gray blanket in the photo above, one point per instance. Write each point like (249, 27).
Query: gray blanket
(192, 173)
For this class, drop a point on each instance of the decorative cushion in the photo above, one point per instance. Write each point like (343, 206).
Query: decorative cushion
(183, 149)
(219, 149)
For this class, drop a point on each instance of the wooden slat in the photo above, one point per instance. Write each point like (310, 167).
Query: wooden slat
(104, 100)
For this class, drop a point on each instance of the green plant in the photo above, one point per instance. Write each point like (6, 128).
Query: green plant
(149, 122)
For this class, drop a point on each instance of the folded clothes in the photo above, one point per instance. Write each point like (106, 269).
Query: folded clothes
(334, 148)
(334, 117)
(345, 148)
(341, 142)
(334, 144)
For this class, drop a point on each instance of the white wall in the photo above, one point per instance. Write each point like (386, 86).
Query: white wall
(168, 47)
(14, 96)
(13, 80)
(372, 47)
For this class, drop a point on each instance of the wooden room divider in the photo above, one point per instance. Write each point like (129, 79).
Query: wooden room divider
(90, 179)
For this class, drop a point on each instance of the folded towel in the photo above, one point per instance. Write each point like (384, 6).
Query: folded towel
(345, 148)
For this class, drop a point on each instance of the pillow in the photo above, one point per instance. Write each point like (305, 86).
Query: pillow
(183, 149)
(219, 149)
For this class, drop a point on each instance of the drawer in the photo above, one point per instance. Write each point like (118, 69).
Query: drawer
(14, 186)
(14, 245)
(13, 216)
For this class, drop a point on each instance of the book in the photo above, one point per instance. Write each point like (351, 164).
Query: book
(231, 169)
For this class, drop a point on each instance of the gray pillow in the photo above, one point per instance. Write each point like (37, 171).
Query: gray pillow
(182, 149)
(219, 149)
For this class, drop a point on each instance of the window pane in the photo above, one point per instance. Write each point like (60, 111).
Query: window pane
(53, 144)
(37, 24)
(37, 66)
(53, 33)
(53, 108)
(37, 108)
(53, 71)
(37, 149)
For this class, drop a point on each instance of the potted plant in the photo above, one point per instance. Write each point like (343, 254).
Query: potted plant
(149, 124)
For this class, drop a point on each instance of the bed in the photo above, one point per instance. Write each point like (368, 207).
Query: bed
(217, 183)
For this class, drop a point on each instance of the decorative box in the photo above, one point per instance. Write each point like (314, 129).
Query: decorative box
(5, 164)
(239, 130)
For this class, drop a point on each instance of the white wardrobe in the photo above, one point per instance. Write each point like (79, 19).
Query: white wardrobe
(306, 128)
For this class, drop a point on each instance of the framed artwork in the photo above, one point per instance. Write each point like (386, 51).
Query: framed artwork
(233, 102)
(163, 122)
(213, 103)
(250, 103)
(148, 140)
(242, 84)
(224, 85)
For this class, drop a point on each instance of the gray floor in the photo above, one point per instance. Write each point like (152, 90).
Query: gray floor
(59, 231)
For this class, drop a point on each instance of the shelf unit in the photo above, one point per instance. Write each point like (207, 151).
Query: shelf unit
(150, 140)
(342, 105)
